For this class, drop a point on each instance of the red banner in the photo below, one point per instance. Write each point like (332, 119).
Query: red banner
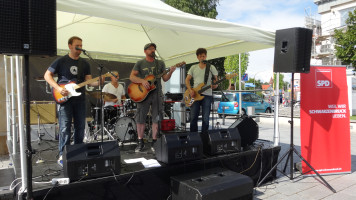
(325, 120)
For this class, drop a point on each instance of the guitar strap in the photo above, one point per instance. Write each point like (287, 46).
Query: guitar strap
(80, 75)
(207, 70)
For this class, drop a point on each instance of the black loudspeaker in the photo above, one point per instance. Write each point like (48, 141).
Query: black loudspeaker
(212, 184)
(179, 147)
(293, 50)
(221, 141)
(82, 161)
(248, 130)
(28, 27)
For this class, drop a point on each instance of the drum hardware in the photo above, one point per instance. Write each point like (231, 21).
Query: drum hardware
(125, 129)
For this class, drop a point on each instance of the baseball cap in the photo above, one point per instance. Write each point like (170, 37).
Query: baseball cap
(150, 44)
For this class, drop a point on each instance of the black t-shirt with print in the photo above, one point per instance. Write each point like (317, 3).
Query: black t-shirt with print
(67, 70)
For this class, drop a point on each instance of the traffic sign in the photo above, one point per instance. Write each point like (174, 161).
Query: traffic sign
(245, 77)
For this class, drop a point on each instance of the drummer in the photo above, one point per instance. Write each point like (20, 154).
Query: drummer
(116, 89)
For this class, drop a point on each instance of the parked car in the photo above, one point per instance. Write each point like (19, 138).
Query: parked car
(229, 104)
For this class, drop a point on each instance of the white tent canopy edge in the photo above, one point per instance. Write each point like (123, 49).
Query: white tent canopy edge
(118, 30)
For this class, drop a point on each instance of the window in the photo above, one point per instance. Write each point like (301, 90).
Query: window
(246, 97)
(255, 98)
(344, 14)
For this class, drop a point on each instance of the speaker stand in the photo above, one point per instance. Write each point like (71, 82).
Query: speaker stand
(291, 150)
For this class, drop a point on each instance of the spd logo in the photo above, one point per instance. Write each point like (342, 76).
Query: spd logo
(323, 78)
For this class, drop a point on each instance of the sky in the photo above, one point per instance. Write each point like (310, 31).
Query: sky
(270, 15)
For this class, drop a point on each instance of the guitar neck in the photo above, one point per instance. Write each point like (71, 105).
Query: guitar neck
(207, 87)
(163, 73)
(86, 82)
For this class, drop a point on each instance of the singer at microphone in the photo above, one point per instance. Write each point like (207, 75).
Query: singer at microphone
(80, 49)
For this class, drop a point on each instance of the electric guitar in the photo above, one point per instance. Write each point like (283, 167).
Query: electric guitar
(71, 87)
(189, 100)
(137, 92)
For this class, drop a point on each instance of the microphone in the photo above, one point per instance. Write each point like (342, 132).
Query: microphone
(153, 55)
(77, 48)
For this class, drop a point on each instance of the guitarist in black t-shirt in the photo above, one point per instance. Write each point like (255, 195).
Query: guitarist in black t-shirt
(70, 68)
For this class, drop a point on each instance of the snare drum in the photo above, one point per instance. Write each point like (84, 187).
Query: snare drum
(125, 129)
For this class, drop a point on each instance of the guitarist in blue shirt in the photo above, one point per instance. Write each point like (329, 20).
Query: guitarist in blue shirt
(70, 68)
(201, 73)
(143, 68)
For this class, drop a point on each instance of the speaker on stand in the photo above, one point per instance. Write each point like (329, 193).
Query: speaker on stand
(28, 27)
(292, 54)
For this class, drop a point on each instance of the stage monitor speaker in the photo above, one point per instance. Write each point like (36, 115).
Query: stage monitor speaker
(28, 27)
(293, 50)
(248, 130)
(82, 161)
(219, 141)
(179, 147)
(212, 184)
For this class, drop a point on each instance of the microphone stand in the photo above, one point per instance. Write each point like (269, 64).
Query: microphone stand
(100, 68)
(160, 104)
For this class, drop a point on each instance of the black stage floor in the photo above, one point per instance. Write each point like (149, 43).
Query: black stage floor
(135, 181)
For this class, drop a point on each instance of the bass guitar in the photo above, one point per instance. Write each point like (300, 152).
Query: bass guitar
(137, 92)
(71, 87)
(189, 100)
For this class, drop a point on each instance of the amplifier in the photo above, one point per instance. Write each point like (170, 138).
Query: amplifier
(179, 147)
(221, 141)
(91, 160)
(212, 184)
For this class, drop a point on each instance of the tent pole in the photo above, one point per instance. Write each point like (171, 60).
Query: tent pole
(14, 129)
(21, 126)
(276, 110)
(240, 96)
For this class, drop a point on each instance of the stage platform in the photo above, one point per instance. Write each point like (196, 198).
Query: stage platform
(135, 181)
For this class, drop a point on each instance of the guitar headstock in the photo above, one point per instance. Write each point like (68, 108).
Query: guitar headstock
(179, 64)
(106, 75)
(230, 76)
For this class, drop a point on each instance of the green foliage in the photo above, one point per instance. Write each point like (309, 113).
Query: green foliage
(205, 8)
(346, 41)
(281, 82)
(231, 65)
(257, 83)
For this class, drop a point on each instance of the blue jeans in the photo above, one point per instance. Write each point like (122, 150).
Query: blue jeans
(73, 108)
(194, 114)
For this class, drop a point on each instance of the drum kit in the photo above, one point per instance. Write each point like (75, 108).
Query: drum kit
(119, 123)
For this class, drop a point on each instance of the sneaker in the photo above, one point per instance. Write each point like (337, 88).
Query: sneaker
(140, 146)
(60, 161)
(153, 146)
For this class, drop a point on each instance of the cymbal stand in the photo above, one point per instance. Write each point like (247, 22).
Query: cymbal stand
(39, 134)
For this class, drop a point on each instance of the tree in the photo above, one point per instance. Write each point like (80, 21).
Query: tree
(257, 82)
(205, 8)
(231, 65)
(346, 41)
(281, 82)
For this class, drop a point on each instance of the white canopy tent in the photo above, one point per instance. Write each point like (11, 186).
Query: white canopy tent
(118, 30)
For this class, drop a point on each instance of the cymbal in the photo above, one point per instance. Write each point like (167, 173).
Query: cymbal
(107, 96)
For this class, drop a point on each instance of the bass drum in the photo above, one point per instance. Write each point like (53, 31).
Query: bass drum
(125, 129)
